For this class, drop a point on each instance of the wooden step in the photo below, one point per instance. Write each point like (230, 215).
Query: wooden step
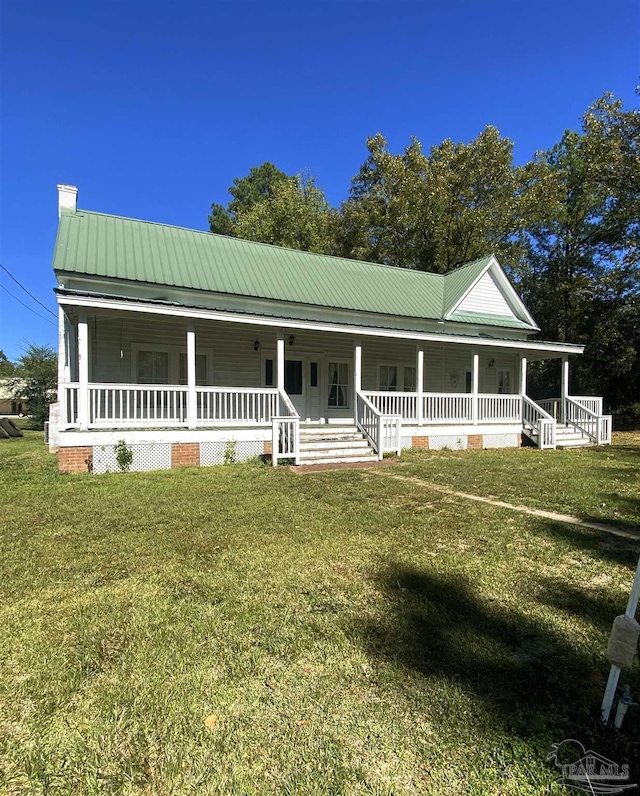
(324, 444)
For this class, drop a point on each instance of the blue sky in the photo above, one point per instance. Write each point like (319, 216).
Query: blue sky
(152, 109)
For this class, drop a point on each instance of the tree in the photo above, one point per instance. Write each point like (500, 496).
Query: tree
(581, 276)
(7, 368)
(36, 380)
(296, 214)
(258, 185)
(436, 212)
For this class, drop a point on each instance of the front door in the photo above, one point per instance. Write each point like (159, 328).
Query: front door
(294, 384)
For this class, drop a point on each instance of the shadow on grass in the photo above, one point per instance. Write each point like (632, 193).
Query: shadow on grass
(534, 683)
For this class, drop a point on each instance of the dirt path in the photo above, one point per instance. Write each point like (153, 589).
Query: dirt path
(548, 515)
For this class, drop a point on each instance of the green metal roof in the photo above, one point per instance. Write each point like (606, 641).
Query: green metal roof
(96, 244)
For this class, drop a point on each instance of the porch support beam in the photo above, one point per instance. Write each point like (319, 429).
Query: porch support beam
(564, 388)
(474, 386)
(357, 373)
(192, 406)
(83, 371)
(523, 375)
(280, 362)
(419, 384)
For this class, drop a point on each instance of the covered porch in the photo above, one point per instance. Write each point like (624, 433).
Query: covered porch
(127, 369)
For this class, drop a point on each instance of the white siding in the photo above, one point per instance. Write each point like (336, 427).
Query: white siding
(486, 298)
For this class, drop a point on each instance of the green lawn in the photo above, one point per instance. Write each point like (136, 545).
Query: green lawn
(349, 633)
(596, 483)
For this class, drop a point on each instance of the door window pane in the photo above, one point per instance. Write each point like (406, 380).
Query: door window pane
(293, 376)
(313, 376)
(389, 378)
(409, 379)
(153, 367)
(268, 372)
(338, 385)
(504, 381)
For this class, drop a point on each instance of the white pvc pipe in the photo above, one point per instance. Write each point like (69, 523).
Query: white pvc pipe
(614, 672)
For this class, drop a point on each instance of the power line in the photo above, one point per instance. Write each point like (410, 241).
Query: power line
(27, 306)
(27, 292)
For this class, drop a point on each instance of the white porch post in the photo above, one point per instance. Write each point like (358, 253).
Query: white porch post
(280, 362)
(419, 384)
(357, 375)
(83, 371)
(474, 386)
(63, 348)
(192, 406)
(523, 375)
(564, 388)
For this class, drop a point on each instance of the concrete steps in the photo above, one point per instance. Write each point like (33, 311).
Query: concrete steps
(334, 445)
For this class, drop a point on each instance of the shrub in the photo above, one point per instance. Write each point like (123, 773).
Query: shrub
(627, 418)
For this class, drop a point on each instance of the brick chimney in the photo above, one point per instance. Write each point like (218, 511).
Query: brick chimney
(67, 198)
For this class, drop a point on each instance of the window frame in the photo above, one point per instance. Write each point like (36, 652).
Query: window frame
(347, 386)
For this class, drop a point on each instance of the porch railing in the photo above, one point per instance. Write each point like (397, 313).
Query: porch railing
(404, 404)
(584, 413)
(285, 431)
(237, 405)
(447, 407)
(499, 408)
(382, 430)
(145, 405)
(539, 422)
(68, 398)
(596, 427)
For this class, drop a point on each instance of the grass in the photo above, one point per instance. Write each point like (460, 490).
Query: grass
(339, 633)
(600, 483)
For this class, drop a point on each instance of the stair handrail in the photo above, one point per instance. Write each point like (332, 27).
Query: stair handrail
(285, 431)
(595, 425)
(372, 424)
(540, 422)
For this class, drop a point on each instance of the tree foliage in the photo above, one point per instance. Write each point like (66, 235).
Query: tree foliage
(247, 192)
(435, 212)
(296, 214)
(582, 265)
(35, 380)
(7, 368)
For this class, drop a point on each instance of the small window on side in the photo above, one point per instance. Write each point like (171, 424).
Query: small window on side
(313, 375)
(268, 372)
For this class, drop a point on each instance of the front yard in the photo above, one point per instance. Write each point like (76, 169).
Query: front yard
(244, 630)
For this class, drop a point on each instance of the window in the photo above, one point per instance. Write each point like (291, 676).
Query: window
(338, 385)
(409, 378)
(504, 382)
(397, 377)
(268, 373)
(389, 378)
(313, 376)
(153, 367)
(201, 369)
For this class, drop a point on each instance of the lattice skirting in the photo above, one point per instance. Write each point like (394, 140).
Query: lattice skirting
(230, 452)
(456, 442)
(500, 441)
(146, 456)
